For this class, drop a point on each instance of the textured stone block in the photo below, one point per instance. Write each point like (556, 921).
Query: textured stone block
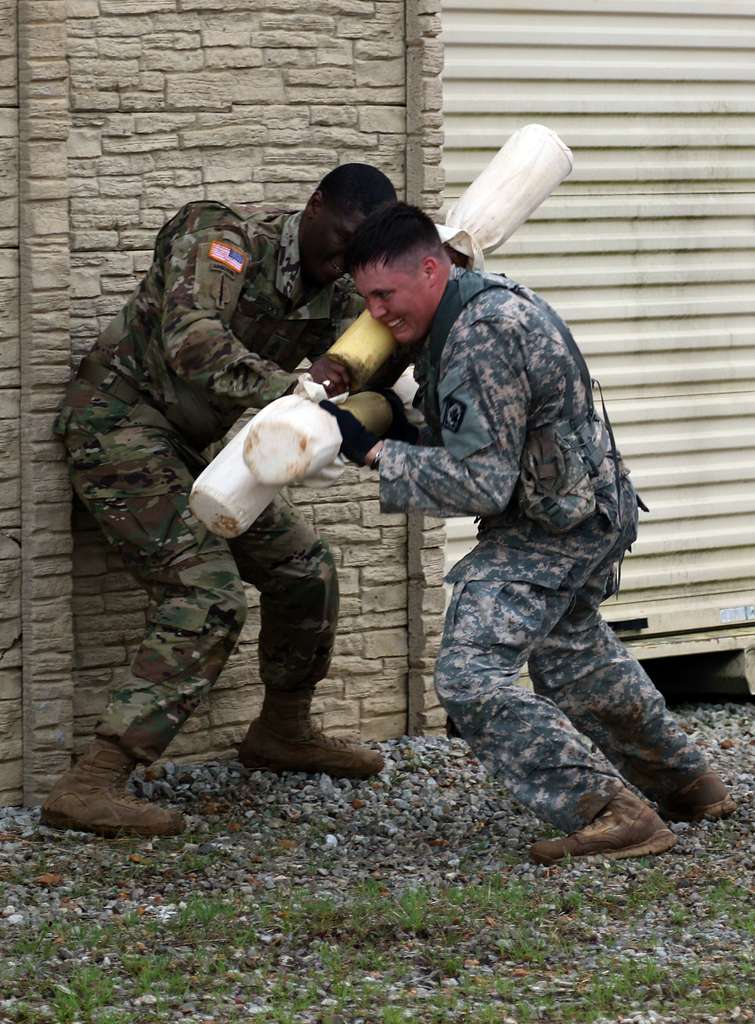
(172, 60)
(43, 159)
(233, 57)
(121, 7)
(222, 89)
(378, 573)
(115, 49)
(139, 144)
(383, 598)
(382, 119)
(367, 555)
(233, 135)
(229, 165)
(46, 218)
(82, 8)
(221, 33)
(386, 642)
(45, 40)
(10, 726)
(379, 72)
(372, 516)
(384, 727)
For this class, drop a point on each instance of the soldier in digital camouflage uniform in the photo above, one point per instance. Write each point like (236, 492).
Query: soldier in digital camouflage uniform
(511, 437)
(235, 298)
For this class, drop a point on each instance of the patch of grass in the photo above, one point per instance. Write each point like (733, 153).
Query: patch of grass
(653, 887)
(87, 989)
(38, 944)
(678, 915)
(201, 912)
(733, 902)
(479, 952)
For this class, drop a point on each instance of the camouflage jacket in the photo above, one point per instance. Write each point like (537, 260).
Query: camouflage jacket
(505, 370)
(219, 322)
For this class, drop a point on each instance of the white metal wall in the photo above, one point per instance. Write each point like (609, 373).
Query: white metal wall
(648, 250)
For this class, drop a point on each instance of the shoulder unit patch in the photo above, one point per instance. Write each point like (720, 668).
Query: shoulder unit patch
(227, 256)
(453, 414)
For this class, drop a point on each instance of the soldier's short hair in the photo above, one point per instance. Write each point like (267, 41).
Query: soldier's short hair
(390, 234)
(357, 187)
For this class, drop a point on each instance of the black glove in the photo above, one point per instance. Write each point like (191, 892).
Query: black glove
(357, 440)
(401, 428)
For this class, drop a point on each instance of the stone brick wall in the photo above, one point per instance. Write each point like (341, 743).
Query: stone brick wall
(44, 305)
(130, 109)
(424, 186)
(176, 100)
(10, 383)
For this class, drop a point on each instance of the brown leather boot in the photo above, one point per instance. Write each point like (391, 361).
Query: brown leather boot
(703, 797)
(92, 797)
(284, 739)
(626, 827)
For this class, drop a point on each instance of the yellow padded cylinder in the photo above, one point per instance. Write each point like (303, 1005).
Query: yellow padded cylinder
(372, 410)
(363, 348)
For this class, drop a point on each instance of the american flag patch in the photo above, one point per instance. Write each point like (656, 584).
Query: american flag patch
(229, 257)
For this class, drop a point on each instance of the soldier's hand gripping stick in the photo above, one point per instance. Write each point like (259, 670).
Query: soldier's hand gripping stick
(288, 441)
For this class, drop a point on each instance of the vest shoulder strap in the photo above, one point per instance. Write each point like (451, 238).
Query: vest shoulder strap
(550, 314)
(459, 292)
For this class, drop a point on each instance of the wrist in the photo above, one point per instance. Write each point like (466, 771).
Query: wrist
(372, 458)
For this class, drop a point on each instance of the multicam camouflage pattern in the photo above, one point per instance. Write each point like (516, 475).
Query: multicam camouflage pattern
(197, 343)
(135, 481)
(203, 341)
(524, 595)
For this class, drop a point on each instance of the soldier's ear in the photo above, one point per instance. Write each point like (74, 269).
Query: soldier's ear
(314, 204)
(430, 268)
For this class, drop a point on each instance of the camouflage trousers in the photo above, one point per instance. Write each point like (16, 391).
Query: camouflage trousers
(594, 719)
(135, 481)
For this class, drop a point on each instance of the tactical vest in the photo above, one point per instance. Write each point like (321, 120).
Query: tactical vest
(560, 460)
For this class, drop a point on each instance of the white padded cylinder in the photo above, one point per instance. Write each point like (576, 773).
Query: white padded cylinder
(289, 439)
(225, 496)
(522, 174)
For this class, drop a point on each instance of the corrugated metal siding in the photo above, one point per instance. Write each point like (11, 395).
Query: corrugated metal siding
(647, 250)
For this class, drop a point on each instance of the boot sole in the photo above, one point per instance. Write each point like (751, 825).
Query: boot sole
(659, 842)
(711, 812)
(62, 821)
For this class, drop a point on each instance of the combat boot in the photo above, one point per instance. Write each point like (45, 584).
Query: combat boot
(284, 739)
(92, 797)
(703, 797)
(626, 827)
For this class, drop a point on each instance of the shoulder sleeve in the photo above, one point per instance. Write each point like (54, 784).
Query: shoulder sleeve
(484, 398)
(205, 268)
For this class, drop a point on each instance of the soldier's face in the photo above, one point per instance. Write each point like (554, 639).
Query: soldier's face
(403, 295)
(324, 234)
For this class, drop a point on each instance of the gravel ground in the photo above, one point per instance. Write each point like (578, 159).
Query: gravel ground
(432, 824)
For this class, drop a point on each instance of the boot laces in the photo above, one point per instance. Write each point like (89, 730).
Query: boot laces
(125, 796)
(334, 742)
(606, 819)
(119, 788)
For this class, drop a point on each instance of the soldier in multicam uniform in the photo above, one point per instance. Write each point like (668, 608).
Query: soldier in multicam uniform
(235, 298)
(511, 436)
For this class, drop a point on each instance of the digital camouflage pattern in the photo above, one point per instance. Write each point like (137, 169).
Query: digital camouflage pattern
(524, 595)
(197, 343)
